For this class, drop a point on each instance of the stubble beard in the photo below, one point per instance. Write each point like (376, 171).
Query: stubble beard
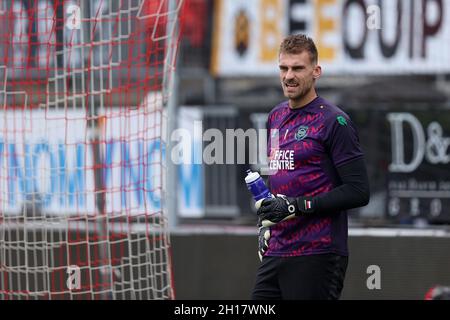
(304, 89)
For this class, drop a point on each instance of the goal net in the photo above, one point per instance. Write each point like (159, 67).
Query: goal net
(83, 87)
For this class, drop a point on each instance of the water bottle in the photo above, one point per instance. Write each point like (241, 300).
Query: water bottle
(257, 187)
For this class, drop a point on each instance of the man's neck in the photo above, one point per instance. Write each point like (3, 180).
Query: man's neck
(303, 101)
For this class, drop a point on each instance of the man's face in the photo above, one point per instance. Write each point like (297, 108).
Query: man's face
(297, 74)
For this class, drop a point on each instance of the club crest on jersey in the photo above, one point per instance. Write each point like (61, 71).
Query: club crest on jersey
(302, 132)
(341, 120)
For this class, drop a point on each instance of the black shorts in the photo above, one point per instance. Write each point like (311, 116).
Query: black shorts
(314, 277)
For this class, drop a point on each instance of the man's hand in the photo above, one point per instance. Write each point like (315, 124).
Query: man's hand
(263, 239)
(281, 208)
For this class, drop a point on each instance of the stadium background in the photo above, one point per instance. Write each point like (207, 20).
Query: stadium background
(228, 73)
(386, 63)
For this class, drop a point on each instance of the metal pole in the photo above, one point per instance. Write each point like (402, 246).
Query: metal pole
(95, 126)
(170, 89)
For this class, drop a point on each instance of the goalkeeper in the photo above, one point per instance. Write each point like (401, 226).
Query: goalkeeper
(303, 230)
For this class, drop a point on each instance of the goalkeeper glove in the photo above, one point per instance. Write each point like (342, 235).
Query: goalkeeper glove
(263, 239)
(281, 208)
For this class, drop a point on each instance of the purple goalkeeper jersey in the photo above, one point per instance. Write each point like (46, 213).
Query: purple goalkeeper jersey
(312, 142)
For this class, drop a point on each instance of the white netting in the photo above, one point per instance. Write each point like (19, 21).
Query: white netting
(83, 85)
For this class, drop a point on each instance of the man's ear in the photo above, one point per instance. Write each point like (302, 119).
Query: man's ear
(317, 72)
